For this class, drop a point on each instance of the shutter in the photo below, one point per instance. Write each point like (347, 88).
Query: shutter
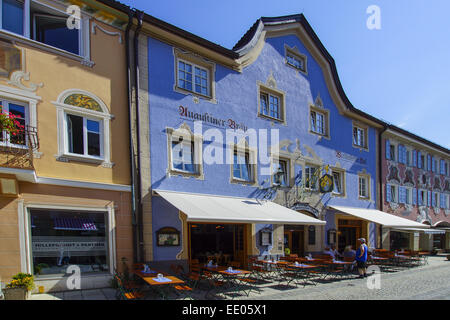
(420, 198)
(428, 162)
(419, 159)
(414, 196)
(429, 199)
(442, 200)
(388, 193)
(433, 201)
(414, 162)
(388, 148)
(399, 153)
(401, 194)
(442, 167)
(433, 165)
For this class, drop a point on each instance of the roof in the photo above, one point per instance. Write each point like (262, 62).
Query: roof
(248, 39)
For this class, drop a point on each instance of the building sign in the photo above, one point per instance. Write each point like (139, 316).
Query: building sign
(348, 157)
(305, 207)
(210, 119)
(61, 246)
(326, 183)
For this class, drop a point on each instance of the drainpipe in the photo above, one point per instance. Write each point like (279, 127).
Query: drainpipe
(132, 163)
(139, 16)
(380, 177)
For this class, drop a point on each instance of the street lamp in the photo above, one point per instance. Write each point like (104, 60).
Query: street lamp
(277, 177)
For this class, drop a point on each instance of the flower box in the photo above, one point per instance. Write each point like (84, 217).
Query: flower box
(16, 293)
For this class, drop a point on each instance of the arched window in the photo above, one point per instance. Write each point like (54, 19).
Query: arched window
(83, 128)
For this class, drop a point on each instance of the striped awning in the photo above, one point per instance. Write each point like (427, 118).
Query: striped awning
(80, 224)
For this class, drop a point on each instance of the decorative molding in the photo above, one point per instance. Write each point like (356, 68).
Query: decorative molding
(18, 76)
(110, 33)
(394, 206)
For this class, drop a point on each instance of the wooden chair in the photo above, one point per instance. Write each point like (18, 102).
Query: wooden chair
(127, 293)
(214, 283)
(184, 291)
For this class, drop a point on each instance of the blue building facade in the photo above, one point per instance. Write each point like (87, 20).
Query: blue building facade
(284, 89)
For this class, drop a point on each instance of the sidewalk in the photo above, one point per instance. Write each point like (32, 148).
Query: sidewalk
(94, 294)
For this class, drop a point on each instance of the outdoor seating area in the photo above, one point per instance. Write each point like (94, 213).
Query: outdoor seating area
(214, 281)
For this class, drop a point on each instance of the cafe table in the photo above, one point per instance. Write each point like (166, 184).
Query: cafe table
(161, 286)
(233, 278)
(333, 265)
(300, 272)
(275, 267)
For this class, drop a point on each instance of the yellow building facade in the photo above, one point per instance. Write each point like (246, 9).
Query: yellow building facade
(65, 178)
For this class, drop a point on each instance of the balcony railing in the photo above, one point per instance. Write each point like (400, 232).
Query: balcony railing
(16, 151)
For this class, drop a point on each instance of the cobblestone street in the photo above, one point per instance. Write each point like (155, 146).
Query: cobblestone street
(427, 282)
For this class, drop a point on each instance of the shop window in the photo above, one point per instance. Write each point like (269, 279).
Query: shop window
(63, 238)
(52, 30)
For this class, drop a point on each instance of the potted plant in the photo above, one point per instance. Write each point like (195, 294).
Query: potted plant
(20, 287)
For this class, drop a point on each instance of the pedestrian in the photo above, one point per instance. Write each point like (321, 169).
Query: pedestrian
(361, 258)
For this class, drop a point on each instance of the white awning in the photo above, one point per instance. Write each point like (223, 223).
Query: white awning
(211, 208)
(426, 231)
(380, 217)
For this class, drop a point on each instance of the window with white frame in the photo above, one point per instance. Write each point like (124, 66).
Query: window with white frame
(338, 182)
(392, 152)
(280, 173)
(394, 193)
(184, 152)
(311, 177)
(192, 77)
(318, 122)
(45, 24)
(271, 103)
(408, 157)
(363, 186)
(408, 195)
(423, 198)
(243, 169)
(83, 124)
(435, 200)
(360, 136)
(19, 110)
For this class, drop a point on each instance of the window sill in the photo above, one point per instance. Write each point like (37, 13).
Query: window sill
(85, 159)
(241, 181)
(186, 174)
(194, 94)
(320, 135)
(39, 45)
(361, 147)
(263, 116)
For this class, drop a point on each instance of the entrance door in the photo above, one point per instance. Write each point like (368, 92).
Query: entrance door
(295, 241)
(239, 244)
(347, 236)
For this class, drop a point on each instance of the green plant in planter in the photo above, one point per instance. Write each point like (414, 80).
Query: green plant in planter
(39, 267)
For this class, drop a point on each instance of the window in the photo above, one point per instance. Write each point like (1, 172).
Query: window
(360, 137)
(45, 24)
(435, 200)
(281, 166)
(61, 238)
(311, 177)
(84, 136)
(83, 124)
(318, 122)
(408, 196)
(408, 158)
(295, 59)
(363, 187)
(183, 155)
(52, 30)
(193, 78)
(13, 16)
(338, 182)
(392, 152)
(422, 198)
(394, 193)
(242, 169)
(422, 161)
(20, 111)
(271, 103)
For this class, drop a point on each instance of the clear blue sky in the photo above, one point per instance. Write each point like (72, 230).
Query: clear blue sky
(400, 74)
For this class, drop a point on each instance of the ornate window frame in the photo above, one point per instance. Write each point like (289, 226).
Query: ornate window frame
(365, 129)
(342, 174)
(184, 130)
(195, 60)
(366, 176)
(297, 55)
(243, 147)
(103, 116)
(319, 108)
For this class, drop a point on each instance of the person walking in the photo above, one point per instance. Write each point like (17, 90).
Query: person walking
(361, 258)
